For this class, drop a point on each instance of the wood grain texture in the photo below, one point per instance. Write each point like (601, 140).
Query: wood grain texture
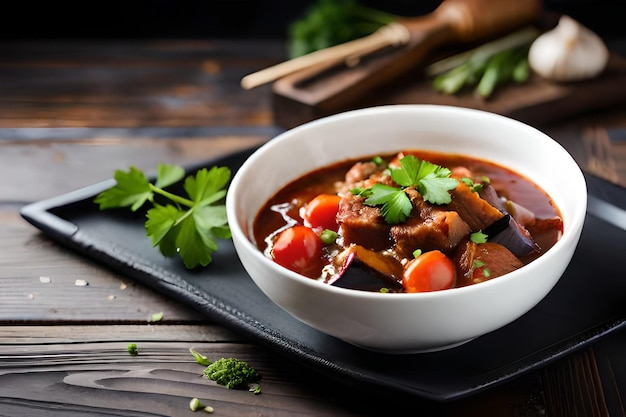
(575, 396)
(38, 284)
(127, 83)
(93, 374)
(56, 166)
(598, 150)
(537, 102)
(86, 370)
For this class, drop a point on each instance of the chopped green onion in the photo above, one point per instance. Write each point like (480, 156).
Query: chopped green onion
(328, 236)
(478, 237)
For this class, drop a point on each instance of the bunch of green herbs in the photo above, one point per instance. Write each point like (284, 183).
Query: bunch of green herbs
(331, 22)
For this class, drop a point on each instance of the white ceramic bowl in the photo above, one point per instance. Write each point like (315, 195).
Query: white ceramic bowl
(419, 322)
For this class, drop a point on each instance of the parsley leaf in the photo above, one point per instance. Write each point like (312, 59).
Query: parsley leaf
(413, 170)
(475, 187)
(479, 237)
(431, 180)
(396, 205)
(168, 174)
(435, 189)
(208, 186)
(160, 220)
(132, 189)
(190, 226)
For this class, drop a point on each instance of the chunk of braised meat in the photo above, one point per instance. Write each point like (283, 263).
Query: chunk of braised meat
(364, 174)
(475, 211)
(361, 224)
(479, 262)
(360, 172)
(546, 231)
(429, 227)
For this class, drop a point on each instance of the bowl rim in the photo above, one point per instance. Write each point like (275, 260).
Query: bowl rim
(574, 227)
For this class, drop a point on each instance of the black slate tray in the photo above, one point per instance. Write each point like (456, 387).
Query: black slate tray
(588, 303)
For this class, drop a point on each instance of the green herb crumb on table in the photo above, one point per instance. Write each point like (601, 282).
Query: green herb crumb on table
(195, 404)
(156, 317)
(132, 349)
(231, 373)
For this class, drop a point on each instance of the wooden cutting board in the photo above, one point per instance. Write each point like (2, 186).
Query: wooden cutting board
(537, 102)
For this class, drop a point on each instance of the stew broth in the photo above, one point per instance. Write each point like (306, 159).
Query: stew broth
(283, 210)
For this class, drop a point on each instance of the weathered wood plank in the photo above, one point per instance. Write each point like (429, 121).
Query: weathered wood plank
(86, 370)
(38, 284)
(31, 335)
(92, 372)
(101, 377)
(52, 167)
(109, 83)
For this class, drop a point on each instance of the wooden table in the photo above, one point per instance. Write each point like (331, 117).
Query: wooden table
(73, 112)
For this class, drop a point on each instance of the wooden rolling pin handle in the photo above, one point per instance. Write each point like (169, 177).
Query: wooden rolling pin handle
(473, 20)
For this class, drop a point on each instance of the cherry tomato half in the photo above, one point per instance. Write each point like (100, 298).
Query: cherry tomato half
(322, 212)
(299, 249)
(431, 271)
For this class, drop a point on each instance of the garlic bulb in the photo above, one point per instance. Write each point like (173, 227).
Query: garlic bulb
(569, 52)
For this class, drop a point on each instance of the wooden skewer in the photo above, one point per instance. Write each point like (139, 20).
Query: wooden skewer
(393, 34)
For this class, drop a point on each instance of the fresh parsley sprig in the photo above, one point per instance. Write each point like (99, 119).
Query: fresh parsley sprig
(187, 226)
(432, 181)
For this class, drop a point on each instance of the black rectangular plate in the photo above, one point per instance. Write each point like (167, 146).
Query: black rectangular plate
(589, 301)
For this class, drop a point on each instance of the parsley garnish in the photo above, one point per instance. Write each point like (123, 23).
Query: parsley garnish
(190, 226)
(432, 181)
(395, 204)
(479, 264)
(475, 187)
(479, 237)
(378, 160)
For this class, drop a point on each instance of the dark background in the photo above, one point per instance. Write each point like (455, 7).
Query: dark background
(227, 18)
